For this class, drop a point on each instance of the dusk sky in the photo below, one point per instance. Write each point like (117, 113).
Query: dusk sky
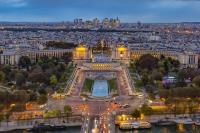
(126, 10)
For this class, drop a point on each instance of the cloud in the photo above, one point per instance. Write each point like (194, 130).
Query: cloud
(13, 3)
(127, 10)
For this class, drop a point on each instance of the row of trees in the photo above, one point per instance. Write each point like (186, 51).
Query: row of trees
(174, 106)
(61, 45)
(145, 110)
(58, 113)
(112, 85)
(67, 112)
(180, 92)
(20, 98)
(181, 106)
(87, 86)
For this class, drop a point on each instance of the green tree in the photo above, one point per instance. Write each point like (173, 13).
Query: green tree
(133, 65)
(20, 79)
(164, 93)
(175, 63)
(2, 77)
(6, 69)
(37, 75)
(21, 96)
(53, 80)
(181, 76)
(136, 114)
(196, 80)
(167, 65)
(192, 106)
(146, 110)
(176, 106)
(138, 83)
(147, 61)
(1, 118)
(24, 62)
(5, 97)
(7, 116)
(67, 111)
(155, 75)
(33, 95)
(11, 76)
(67, 57)
(160, 85)
(19, 107)
(145, 79)
(42, 99)
(63, 77)
(53, 113)
(57, 113)
(1, 105)
(87, 86)
(170, 104)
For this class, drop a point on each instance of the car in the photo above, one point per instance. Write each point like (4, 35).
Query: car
(126, 106)
(140, 95)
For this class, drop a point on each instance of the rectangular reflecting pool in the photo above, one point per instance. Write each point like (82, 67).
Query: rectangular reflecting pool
(100, 88)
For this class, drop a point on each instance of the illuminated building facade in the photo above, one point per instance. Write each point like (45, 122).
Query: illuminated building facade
(136, 54)
(186, 59)
(122, 54)
(81, 54)
(99, 54)
(13, 57)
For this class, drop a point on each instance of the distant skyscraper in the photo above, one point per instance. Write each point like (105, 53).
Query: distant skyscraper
(96, 22)
(78, 21)
(139, 24)
(111, 23)
(105, 22)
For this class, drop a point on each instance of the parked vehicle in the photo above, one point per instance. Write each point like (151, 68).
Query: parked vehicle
(165, 122)
(47, 127)
(184, 120)
(125, 106)
(197, 122)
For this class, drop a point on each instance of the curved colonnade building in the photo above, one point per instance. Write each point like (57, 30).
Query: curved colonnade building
(99, 54)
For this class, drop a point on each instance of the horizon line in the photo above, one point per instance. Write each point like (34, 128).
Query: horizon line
(70, 21)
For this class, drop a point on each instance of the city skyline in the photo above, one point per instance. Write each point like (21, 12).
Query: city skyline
(128, 11)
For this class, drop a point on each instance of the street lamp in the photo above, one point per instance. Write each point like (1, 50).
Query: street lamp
(114, 98)
(121, 55)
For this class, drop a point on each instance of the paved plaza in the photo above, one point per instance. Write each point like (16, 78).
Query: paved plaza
(99, 109)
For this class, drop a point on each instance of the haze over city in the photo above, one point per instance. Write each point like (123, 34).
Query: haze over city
(126, 10)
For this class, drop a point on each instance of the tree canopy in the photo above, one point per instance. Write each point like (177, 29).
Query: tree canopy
(196, 80)
(147, 61)
(24, 61)
(136, 114)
